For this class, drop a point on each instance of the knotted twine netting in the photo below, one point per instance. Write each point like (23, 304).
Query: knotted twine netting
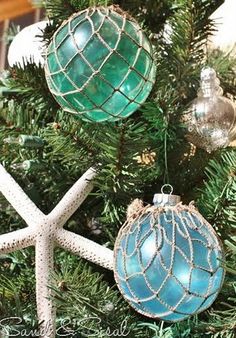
(167, 262)
(100, 64)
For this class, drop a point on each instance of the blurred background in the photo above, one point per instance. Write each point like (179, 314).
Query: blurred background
(14, 16)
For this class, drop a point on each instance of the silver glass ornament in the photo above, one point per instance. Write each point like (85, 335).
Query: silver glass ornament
(210, 118)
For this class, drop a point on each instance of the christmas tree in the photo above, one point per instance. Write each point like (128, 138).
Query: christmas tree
(46, 149)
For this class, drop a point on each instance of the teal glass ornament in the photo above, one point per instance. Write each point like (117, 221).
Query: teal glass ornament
(100, 65)
(167, 260)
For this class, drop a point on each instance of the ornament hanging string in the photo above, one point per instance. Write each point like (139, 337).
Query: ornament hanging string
(166, 173)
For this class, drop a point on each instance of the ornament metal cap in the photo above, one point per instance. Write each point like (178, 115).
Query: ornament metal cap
(163, 199)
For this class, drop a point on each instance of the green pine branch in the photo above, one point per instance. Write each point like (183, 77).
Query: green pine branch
(217, 200)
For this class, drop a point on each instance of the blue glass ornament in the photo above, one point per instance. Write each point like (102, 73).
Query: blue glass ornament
(167, 260)
(100, 65)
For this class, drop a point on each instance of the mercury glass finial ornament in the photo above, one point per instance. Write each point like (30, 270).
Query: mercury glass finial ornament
(211, 117)
(167, 260)
(100, 65)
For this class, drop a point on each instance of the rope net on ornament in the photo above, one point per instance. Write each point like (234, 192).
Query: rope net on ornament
(100, 82)
(166, 261)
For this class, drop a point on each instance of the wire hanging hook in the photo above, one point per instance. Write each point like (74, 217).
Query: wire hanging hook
(167, 186)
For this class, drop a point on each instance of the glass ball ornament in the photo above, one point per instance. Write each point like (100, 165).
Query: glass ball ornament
(100, 65)
(167, 260)
(210, 119)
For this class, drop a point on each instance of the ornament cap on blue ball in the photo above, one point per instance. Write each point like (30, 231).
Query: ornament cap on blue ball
(100, 65)
(168, 259)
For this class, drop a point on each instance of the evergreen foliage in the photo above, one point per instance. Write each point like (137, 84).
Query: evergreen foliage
(135, 157)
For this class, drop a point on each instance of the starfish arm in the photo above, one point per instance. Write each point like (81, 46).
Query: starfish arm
(85, 248)
(43, 269)
(73, 198)
(16, 240)
(18, 199)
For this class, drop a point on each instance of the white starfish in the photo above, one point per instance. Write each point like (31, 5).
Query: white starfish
(45, 232)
